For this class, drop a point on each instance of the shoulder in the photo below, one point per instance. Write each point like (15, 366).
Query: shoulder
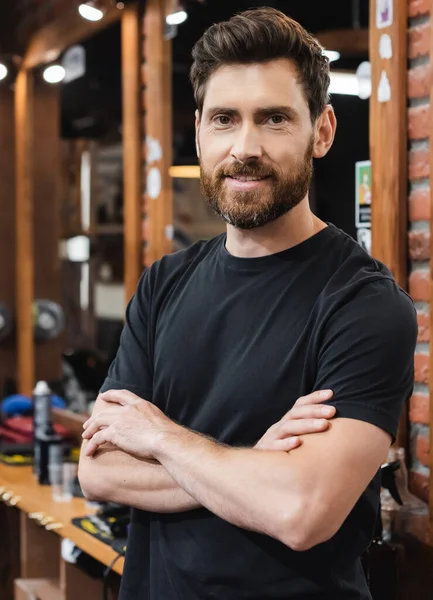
(170, 268)
(362, 293)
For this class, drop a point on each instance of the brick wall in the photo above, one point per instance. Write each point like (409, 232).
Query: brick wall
(419, 83)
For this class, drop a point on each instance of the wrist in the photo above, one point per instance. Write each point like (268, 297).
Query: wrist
(165, 438)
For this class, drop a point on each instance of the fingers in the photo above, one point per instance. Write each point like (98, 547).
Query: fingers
(98, 422)
(287, 444)
(315, 397)
(100, 438)
(103, 416)
(310, 411)
(301, 427)
(122, 397)
(283, 445)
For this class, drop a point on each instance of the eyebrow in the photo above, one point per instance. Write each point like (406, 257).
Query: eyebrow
(263, 111)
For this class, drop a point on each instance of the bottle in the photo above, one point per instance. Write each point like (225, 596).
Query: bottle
(48, 447)
(41, 421)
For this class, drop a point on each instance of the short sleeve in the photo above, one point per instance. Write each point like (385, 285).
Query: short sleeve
(367, 355)
(132, 367)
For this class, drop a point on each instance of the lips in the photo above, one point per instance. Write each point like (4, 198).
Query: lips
(247, 177)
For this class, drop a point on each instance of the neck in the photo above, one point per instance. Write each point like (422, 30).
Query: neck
(289, 230)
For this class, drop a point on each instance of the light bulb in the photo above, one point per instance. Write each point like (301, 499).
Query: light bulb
(3, 71)
(332, 55)
(54, 74)
(177, 18)
(89, 12)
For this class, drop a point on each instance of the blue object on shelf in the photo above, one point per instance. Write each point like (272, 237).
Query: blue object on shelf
(18, 404)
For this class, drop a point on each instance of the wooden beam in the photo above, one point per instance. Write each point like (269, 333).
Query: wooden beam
(7, 226)
(349, 42)
(132, 144)
(388, 151)
(46, 150)
(50, 41)
(24, 105)
(158, 127)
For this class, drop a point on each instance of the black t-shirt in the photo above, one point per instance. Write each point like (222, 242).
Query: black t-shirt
(225, 346)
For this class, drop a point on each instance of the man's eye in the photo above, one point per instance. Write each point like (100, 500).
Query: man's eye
(276, 119)
(222, 120)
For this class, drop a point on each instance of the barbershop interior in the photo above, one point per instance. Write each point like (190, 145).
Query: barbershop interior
(100, 179)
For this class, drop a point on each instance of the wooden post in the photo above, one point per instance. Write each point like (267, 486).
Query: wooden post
(158, 127)
(388, 150)
(46, 175)
(24, 100)
(132, 140)
(7, 227)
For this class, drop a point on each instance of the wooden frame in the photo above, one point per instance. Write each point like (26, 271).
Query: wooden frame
(45, 46)
(158, 127)
(388, 153)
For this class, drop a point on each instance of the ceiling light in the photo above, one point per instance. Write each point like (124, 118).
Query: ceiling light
(185, 171)
(332, 55)
(3, 71)
(54, 74)
(90, 12)
(344, 83)
(177, 18)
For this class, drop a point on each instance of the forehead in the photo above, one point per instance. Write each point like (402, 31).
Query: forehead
(247, 87)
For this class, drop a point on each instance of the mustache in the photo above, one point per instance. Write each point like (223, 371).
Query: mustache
(239, 169)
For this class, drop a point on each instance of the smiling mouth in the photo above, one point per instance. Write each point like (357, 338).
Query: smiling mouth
(247, 178)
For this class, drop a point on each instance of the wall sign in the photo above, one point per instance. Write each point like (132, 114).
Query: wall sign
(154, 183)
(364, 238)
(363, 194)
(384, 13)
(385, 46)
(384, 89)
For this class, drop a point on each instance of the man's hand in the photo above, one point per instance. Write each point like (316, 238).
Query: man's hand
(135, 425)
(308, 415)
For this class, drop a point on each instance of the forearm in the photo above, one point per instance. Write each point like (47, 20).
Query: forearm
(115, 476)
(246, 487)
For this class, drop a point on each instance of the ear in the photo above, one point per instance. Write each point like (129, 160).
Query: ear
(197, 126)
(325, 127)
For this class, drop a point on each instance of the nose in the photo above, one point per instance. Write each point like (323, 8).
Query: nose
(247, 146)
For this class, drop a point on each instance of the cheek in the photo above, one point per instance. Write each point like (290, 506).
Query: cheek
(214, 149)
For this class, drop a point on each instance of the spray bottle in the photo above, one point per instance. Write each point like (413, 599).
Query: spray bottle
(48, 447)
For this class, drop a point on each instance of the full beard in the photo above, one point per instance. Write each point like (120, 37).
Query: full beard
(256, 208)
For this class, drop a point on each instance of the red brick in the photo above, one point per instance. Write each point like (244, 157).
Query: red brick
(418, 485)
(422, 368)
(419, 40)
(419, 164)
(423, 449)
(419, 205)
(419, 285)
(423, 327)
(418, 7)
(419, 122)
(419, 81)
(419, 409)
(419, 245)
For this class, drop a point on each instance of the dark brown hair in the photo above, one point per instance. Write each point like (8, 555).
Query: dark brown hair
(261, 35)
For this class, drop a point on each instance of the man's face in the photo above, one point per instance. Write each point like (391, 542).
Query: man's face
(256, 142)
